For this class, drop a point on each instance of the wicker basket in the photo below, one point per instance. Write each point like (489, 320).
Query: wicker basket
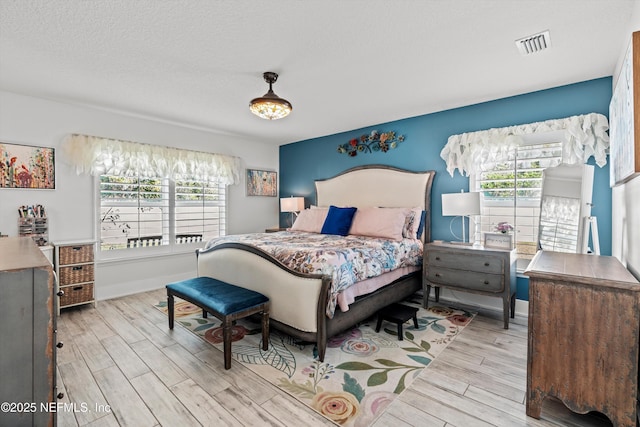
(76, 274)
(76, 294)
(75, 254)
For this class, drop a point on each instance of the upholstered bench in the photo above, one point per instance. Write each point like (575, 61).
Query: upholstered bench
(226, 302)
(398, 314)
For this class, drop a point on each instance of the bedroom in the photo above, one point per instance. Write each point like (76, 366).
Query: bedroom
(39, 119)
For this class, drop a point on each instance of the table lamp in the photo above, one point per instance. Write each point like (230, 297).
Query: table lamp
(461, 204)
(292, 204)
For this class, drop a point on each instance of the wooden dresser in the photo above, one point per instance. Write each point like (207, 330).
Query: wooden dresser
(584, 326)
(27, 334)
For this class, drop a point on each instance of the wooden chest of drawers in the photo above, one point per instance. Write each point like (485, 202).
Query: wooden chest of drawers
(584, 324)
(75, 270)
(27, 334)
(477, 270)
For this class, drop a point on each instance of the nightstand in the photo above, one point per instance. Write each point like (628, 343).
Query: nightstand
(477, 270)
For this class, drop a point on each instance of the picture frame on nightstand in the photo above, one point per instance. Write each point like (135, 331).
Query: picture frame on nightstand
(498, 241)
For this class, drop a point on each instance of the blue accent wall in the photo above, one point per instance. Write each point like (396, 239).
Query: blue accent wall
(304, 161)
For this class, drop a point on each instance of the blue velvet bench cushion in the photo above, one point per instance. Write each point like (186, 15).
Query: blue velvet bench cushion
(225, 301)
(221, 297)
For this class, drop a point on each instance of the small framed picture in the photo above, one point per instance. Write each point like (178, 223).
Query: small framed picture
(498, 241)
(261, 183)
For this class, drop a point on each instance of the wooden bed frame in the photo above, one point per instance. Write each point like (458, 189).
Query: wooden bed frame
(299, 301)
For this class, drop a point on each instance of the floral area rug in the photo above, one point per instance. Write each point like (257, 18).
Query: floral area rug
(363, 371)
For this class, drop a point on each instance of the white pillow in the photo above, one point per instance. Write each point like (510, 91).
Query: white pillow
(416, 214)
(310, 220)
(379, 222)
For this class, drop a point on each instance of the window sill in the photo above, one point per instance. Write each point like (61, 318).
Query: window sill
(134, 255)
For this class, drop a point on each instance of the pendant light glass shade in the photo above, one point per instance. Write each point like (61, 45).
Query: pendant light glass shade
(270, 106)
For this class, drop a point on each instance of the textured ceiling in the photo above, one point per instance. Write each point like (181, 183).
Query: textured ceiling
(342, 64)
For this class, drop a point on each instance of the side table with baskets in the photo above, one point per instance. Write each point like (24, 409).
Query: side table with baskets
(75, 271)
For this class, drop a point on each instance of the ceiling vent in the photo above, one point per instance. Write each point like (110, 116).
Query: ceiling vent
(535, 43)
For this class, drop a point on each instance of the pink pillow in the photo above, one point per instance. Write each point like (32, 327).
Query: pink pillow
(379, 222)
(310, 220)
(409, 228)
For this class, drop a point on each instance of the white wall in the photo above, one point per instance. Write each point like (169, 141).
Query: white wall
(70, 207)
(626, 225)
(625, 198)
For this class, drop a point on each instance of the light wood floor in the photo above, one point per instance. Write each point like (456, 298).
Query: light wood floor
(120, 365)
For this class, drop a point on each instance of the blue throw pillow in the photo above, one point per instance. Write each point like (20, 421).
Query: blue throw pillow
(423, 216)
(338, 221)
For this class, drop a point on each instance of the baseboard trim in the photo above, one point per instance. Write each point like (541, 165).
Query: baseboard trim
(480, 303)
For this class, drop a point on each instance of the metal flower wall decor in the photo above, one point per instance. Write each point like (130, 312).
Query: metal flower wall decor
(375, 141)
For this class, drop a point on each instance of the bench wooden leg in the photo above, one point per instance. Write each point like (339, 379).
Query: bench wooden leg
(265, 329)
(226, 337)
(400, 334)
(170, 309)
(204, 313)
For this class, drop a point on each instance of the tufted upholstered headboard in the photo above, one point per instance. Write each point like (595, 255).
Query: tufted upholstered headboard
(378, 186)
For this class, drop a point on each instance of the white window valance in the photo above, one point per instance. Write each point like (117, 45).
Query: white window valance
(104, 156)
(582, 137)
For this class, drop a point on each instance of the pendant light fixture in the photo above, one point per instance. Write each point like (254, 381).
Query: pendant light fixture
(270, 106)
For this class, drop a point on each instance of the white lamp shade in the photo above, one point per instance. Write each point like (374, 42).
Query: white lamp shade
(461, 204)
(292, 204)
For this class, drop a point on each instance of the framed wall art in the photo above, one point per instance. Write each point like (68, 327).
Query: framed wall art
(624, 118)
(261, 183)
(25, 166)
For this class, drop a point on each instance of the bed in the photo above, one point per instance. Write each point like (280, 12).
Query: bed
(305, 305)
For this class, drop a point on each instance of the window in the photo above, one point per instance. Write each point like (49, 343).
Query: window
(511, 192)
(200, 209)
(139, 212)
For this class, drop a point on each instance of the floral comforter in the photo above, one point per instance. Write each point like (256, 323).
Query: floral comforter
(347, 259)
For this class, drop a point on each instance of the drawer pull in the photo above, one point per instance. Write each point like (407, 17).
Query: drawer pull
(438, 275)
(77, 248)
(60, 395)
(60, 293)
(60, 344)
(77, 288)
(486, 264)
(437, 258)
(486, 282)
(77, 268)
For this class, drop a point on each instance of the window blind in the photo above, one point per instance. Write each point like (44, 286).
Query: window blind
(199, 210)
(511, 192)
(142, 212)
(132, 208)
